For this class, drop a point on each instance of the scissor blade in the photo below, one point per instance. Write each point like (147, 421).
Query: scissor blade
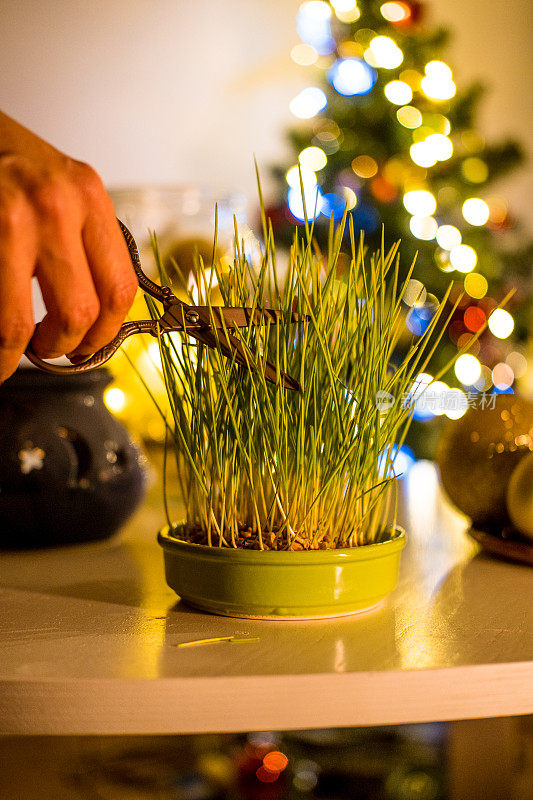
(231, 347)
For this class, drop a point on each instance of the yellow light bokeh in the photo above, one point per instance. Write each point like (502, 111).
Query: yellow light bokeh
(115, 399)
(308, 102)
(365, 166)
(422, 154)
(438, 83)
(304, 54)
(448, 237)
(350, 197)
(468, 369)
(501, 323)
(346, 10)
(423, 227)
(463, 258)
(440, 146)
(412, 78)
(409, 117)
(395, 12)
(384, 52)
(398, 92)
(476, 285)
(316, 9)
(474, 170)
(475, 211)
(313, 158)
(457, 404)
(420, 201)
(308, 178)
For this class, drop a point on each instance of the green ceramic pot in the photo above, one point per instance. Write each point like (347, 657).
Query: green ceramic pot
(282, 584)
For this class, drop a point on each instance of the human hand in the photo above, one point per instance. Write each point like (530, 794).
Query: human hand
(57, 223)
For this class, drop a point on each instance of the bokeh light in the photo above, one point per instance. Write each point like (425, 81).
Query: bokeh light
(501, 323)
(395, 12)
(314, 202)
(474, 170)
(346, 10)
(448, 237)
(502, 376)
(275, 761)
(333, 204)
(467, 369)
(384, 52)
(308, 103)
(308, 178)
(364, 166)
(313, 158)
(456, 404)
(350, 197)
(437, 84)
(351, 76)
(475, 211)
(474, 318)
(476, 285)
(463, 258)
(115, 399)
(422, 154)
(518, 363)
(420, 201)
(304, 54)
(313, 24)
(423, 227)
(415, 292)
(409, 117)
(398, 92)
(440, 146)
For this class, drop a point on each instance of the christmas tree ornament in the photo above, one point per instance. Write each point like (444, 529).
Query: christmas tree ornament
(520, 497)
(478, 453)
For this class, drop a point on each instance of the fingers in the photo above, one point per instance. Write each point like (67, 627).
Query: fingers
(17, 257)
(68, 293)
(110, 265)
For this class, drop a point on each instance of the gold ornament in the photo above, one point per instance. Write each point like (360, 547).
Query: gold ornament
(520, 497)
(478, 452)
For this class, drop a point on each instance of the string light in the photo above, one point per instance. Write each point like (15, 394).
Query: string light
(463, 258)
(398, 92)
(467, 369)
(308, 103)
(423, 227)
(313, 158)
(448, 237)
(409, 117)
(351, 76)
(383, 52)
(420, 202)
(475, 211)
(501, 323)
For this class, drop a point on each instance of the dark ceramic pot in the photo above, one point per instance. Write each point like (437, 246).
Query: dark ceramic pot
(69, 471)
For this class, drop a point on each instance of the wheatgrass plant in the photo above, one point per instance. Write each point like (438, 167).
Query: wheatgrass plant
(270, 468)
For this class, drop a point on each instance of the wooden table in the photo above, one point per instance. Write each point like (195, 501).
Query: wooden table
(89, 636)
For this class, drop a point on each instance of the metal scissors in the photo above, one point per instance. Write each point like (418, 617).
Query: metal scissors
(210, 325)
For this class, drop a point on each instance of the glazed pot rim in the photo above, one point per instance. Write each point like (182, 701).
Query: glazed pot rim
(362, 552)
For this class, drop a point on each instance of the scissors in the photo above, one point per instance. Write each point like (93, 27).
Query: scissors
(210, 325)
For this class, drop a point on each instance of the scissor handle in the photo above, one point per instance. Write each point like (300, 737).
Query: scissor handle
(161, 293)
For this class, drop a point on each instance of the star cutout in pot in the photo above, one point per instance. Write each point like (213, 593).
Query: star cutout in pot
(31, 458)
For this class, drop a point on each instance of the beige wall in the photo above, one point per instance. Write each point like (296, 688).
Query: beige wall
(188, 90)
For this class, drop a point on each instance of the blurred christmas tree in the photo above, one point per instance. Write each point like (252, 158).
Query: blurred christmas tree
(386, 131)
